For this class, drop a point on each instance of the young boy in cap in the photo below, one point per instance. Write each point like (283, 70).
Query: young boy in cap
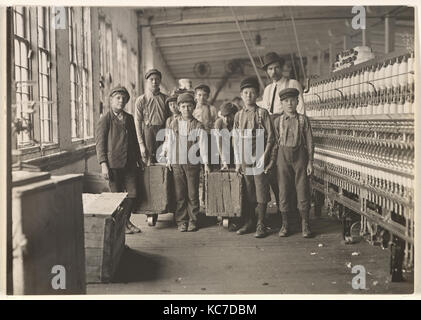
(294, 153)
(171, 103)
(151, 112)
(207, 115)
(273, 65)
(223, 131)
(186, 165)
(117, 149)
(204, 112)
(252, 117)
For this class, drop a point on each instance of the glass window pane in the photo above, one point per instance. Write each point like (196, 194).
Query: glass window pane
(23, 55)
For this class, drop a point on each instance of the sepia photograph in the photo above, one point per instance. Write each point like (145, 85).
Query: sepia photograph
(208, 150)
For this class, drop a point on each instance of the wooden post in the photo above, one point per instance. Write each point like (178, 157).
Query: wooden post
(346, 42)
(6, 53)
(331, 56)
(319, 62)
(389, 34)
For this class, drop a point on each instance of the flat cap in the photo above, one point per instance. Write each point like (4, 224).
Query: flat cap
(120, 89)
(288, 92)
(185, 97)
(271, 57)
(151, 72)
(250, 82)
(203, 87)
(228, 108)
(172, 97)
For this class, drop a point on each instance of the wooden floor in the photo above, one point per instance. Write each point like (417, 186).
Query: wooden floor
(161, 260)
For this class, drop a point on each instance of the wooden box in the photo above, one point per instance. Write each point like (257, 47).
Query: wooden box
(47, 234)
(155, 185)
(105, 218)
(224, 194)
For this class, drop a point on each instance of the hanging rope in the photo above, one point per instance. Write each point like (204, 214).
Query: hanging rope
(298, 44)
(284, 27)
(262, 85)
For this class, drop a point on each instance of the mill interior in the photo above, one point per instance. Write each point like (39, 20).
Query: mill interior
(355, 66)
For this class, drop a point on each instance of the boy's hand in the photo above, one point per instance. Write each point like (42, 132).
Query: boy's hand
(207, 169)
(105, 171)
(269, 167)
(238, 169)
(142, 152)
(169, 167)
(309, 169)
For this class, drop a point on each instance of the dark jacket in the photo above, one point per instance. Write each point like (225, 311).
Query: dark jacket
(116, 141)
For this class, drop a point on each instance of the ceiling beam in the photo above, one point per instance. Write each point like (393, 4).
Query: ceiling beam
(196, 31)
(202, 47)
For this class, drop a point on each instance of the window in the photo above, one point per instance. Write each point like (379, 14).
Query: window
(23, 76)
(44, 76)
(122, 61)
(80, 73)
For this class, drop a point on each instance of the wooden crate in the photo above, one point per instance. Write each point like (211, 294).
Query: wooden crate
(105, 217)
(154, 184)
(224, 194)
(47, 232)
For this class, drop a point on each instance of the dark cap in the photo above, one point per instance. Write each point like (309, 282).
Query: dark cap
(120, 89)
(250, 82)
(151, 72)
(185, 97)
(203, 87)
(270, 58)
(228, 108)
(172, 97)
(288, 92)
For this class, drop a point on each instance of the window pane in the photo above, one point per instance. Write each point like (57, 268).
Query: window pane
(23, 55)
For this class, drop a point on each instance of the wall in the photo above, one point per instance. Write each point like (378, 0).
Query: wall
(152, 58)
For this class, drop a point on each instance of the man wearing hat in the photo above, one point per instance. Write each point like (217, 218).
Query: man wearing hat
(294, 153)
(151, 112)
(273, 65)
(185, 163)
(246, 121)
(117, 149)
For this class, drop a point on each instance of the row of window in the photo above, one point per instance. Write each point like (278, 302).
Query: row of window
(34, 87)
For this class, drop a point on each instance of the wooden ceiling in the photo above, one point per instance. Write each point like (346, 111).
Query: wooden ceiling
(188, 36)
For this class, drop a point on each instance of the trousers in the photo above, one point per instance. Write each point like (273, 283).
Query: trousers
(292, 169)
(186, 184)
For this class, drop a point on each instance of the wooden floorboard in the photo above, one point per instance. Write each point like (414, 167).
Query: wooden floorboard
(161, 260)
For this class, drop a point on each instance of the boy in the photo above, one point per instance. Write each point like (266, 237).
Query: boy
(252, 117)
(294, 151)
(117, 149)
(171, 103)
(185, 166)
(151, 113)
(207, 115)
(204, 112)
(223, 129)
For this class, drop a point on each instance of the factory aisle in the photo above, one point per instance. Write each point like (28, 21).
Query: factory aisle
(162, 260)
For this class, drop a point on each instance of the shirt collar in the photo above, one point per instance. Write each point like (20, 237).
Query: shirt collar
(294, 115)
(121, 114)
(250, 109)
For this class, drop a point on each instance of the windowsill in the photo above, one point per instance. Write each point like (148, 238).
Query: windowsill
(28, 149)
(50, 146)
